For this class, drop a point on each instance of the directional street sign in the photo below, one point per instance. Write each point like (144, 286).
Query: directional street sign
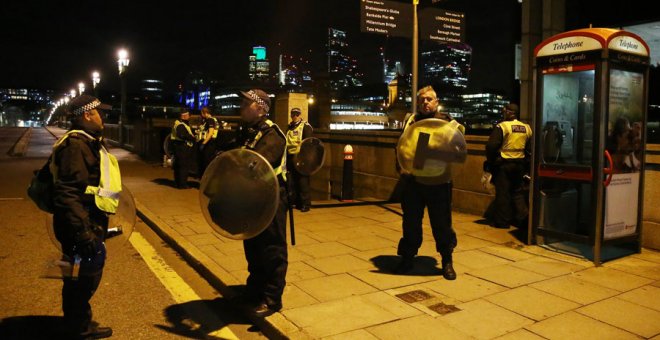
(386, 17)
(441, 25)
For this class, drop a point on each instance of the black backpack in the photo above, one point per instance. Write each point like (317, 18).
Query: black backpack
(42, 187)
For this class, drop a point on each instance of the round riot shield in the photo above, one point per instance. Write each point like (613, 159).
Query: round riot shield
(426, 147)
(239, 194)
(311, 156)
(120, 224)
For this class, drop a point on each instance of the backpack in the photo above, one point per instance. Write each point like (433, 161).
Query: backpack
(42, 187)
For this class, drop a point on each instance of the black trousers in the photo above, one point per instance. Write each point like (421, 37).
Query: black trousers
(182, 163)
(75, 301)
(299, 184)
(437, 198)
(510, 204)
(205, 156)
(267, 257)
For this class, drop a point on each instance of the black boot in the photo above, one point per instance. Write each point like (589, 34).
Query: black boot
(448, 267)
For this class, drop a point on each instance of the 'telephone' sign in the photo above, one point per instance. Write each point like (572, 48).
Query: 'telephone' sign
(386, 17)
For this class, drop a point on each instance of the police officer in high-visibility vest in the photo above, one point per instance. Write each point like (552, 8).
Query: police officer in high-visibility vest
(266, 253)
(87, 183)
(207, 135)
(417, 195)
(506, 156)
(183, 140)
(297, 130)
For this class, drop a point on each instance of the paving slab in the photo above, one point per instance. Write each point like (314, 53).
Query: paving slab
(532, 303)
(334, 287)
(612, 278)
(339, 264)
(572, 325)
(637, 266)
(647, 296)
(626, 315)
(418, 327)
(465, 288)
(520, 334)
(484, 320)
(507, 275)
(577, 290)
(547, 266)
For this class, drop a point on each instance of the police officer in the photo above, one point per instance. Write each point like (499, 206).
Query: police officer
(208, 133)
(266, 253)
(298, 130)
(436, 197)
(506, 152)
(87, 183)
(183, 140)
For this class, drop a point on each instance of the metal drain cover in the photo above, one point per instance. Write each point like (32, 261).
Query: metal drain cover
(443, 309)
(414, 296)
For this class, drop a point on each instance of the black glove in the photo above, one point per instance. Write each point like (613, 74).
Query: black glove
(86, 244)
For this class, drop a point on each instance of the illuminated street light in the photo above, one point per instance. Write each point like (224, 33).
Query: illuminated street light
(72, 93)
(122, 62)
(96, 78)
(81, 88)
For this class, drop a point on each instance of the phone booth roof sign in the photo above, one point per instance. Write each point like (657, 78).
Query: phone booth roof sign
(589, 39)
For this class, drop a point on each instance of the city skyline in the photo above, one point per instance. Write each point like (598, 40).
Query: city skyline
(55, 45)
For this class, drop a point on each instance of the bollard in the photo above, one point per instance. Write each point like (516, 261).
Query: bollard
(347, 179)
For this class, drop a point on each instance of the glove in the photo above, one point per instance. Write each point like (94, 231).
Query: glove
(86, 244)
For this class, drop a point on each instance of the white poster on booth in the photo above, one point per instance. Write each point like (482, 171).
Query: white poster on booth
(621, 205)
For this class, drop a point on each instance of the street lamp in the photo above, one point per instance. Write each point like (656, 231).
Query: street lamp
(72, 92)
(122, 62)
(81, 88)
(96, 79)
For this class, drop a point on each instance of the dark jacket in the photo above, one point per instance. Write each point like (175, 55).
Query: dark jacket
(78, 165)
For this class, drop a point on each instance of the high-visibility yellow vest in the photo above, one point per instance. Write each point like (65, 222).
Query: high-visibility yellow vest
(294, 137)
(106, 194)
(203, 130)
(174, 136)
(515, 135)
(280, 169)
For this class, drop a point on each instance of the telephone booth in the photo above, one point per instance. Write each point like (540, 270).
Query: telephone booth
(590, 102)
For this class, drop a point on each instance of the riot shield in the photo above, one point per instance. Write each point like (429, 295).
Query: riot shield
(426, 148)
(238, 194)
(311, 156)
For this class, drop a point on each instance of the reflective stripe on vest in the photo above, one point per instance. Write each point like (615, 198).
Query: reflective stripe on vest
(281, 169)
(203, 129)
(106, 195)
(514, 137)
(174, 136)
(294, 138)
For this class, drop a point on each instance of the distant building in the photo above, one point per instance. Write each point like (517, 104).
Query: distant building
(293, 72)
(195, 92)
(341, 67)
(357, 116)
(259, 66)
(151, 90)
(446, 66)
(482, 110)
(24, 107)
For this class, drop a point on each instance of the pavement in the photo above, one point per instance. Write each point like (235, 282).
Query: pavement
(339, 284)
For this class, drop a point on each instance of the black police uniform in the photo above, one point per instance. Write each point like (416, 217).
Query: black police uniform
(415, 197)
(299, 183)
(510, 204)
(266, 253)
(183, 155)
(77, 220)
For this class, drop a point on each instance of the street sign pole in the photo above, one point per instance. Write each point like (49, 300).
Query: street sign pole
(415, 56)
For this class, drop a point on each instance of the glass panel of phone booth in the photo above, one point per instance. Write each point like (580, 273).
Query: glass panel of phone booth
(566, 137)
(625, 125)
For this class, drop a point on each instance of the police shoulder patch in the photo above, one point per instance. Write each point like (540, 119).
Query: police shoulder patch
(518, 128)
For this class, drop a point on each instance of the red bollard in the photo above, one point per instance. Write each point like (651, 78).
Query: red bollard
(347, 179)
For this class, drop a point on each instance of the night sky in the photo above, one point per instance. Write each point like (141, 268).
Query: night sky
(56, 44)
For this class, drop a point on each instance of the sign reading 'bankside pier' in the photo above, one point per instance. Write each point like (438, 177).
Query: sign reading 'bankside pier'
(386, 17)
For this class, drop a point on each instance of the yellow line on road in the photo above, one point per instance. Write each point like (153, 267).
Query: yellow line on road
(177, 287)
